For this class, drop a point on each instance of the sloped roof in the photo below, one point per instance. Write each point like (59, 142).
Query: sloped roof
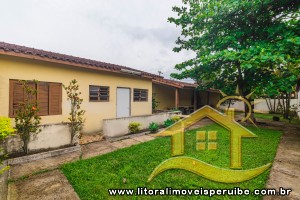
(38, 54)
(173, 83)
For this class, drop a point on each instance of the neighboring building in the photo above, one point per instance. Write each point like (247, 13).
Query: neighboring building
(108, 90)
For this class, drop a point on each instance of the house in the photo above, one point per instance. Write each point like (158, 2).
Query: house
(108, 91)
(171, 94)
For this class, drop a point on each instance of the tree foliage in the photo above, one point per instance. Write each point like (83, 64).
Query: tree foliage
(242, 43)
(27, 120)
(76, 114)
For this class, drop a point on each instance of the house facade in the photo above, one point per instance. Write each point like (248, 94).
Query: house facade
(108, 91)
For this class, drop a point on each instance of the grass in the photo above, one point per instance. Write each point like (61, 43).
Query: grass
(295, 120)
(92, 178)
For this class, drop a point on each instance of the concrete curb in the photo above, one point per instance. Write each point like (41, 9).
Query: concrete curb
(38, 156)
(3, 183)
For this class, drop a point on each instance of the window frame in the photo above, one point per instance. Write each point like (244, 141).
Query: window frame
(140, 95)
(99, 94)
(49, 84)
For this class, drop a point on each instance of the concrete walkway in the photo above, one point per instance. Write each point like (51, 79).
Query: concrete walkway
(285, 170)
(42, 180)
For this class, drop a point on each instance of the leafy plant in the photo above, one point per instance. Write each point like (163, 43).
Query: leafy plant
(76, 114)
(168, 123)
(134, 127)
(27, 120)
(155, 103)
(153, 127)
(6, 130)
(292, 112)
(175, 118)
(238, 43)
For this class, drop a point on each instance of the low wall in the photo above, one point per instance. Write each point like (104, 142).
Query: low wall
(3, 183)
(51, 136)
(119, 126)
(260, 105)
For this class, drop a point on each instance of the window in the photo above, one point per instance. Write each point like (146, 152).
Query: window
(140, 95)
(48, 97)
(99, 93)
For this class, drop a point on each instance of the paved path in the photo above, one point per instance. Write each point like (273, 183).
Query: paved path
(285, 170)
(43, 184)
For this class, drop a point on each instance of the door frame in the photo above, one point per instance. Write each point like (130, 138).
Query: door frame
(129, 100)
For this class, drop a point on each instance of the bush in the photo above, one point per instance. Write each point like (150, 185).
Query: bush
(175, 118)
(27, 120)
(153, 127)
(168, 123)
(134, 127)
(155, 103)
(171, 121)
(76, 113)
(5, 131)
(5, 128)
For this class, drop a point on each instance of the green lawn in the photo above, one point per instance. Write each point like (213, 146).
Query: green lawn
(92, 178)
(295, 120)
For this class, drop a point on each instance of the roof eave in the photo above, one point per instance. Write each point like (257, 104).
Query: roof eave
(45, 59)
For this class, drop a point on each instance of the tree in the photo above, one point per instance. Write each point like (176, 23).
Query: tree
(76, 114)
(27, 120)
(280, 86)
(237, 43)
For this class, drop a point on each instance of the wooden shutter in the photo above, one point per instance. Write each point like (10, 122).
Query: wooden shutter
(43, 98)
(55, 98)
(16, 96)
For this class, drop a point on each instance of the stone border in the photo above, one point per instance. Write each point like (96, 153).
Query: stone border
(3, 183)
(43, 155)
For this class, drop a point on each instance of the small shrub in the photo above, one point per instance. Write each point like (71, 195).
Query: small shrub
(5, 131)
(27, 120)
(155, 103)
(276, 118)
(175, 118)
(134, 127)
(168, 123)
(5, 128)
(153, 127)
(76, 113)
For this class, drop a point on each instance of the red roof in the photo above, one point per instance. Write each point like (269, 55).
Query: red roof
(37, 54)
(173, 83)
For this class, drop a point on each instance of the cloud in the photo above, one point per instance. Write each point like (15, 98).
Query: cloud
(133, 33)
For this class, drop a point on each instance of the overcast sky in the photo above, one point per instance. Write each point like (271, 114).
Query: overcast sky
(134, 33)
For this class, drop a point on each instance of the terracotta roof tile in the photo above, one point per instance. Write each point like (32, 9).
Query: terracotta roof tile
(37, 53)
(174, 83)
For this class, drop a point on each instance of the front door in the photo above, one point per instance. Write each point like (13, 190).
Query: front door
(123, 102)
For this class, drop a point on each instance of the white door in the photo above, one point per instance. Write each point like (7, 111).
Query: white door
(123, 102)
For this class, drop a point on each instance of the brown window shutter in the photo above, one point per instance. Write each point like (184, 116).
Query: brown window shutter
(43, 98)
(16, 96)
(55, 98)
